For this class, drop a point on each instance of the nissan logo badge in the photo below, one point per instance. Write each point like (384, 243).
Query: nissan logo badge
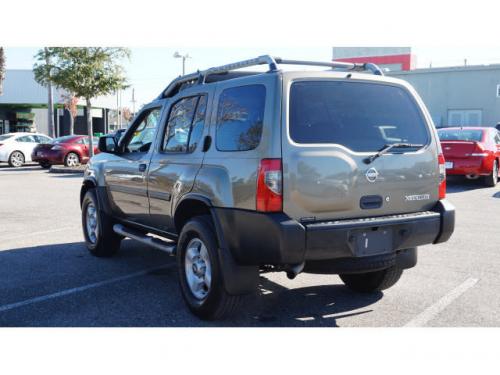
(371, 174)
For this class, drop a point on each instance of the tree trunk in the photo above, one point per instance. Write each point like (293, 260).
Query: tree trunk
(50, 100)
(90, 129)
(71, 124)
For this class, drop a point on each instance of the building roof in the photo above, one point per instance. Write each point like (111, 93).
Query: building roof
(20, 87)
(463, 68)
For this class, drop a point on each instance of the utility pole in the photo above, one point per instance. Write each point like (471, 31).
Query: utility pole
(177, 55)
(50, 99)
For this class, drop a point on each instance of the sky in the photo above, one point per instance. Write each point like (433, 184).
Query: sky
(150, 69)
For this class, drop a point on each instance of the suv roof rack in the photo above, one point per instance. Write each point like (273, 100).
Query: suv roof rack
(200, 76)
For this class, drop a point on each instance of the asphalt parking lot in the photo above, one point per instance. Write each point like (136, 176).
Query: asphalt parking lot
(47, 278)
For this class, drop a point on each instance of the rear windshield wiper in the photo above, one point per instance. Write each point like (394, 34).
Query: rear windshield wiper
(389, 147)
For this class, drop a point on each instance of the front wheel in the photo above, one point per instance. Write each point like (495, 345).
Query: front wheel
(200, 274)
(492, 179)
(370, 282)
(100, 238)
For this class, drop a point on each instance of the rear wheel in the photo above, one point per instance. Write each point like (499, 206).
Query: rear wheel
(72, 160)
(98, 232)
(492, 179)
(200, 274)
(369, 282)
(16, 159)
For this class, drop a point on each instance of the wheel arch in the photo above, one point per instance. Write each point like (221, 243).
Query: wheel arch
(189, 206)
(88, 183)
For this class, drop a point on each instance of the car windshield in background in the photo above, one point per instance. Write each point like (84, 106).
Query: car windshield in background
(460, 135)
(364, 117)
(65, 139)
(4, 137)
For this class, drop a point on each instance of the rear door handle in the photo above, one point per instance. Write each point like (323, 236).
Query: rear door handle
(143, 167)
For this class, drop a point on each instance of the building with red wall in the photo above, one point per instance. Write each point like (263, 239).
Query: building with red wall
(388, 58)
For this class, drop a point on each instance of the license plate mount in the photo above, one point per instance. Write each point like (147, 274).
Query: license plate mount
(373, 241)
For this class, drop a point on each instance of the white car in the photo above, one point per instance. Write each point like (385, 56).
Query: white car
(16, 148)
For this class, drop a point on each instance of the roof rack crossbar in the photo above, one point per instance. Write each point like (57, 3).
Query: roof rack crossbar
(200, 77)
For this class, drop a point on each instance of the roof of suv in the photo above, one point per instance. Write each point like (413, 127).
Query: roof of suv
(232, 71)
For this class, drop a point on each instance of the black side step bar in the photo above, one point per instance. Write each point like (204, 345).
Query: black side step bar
(168, 247)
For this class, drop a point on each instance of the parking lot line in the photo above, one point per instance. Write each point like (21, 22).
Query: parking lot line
(432, 311)
(34, 234)
(79, 289)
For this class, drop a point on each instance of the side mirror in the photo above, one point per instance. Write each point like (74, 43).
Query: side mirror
(108, 144)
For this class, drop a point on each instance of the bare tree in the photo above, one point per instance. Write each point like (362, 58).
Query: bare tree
(71, 105)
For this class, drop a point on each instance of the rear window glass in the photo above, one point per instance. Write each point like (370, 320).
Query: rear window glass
(65, 139)
(460, 135)
(363, 117)
(240, 117)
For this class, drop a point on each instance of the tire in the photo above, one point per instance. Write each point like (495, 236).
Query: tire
(197, 257)
(72, 159)
(16, 159)
(370, 282)
(492, 179)
(101, 241)
(45, 164)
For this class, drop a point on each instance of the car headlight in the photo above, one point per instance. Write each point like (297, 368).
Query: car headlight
(56, 148)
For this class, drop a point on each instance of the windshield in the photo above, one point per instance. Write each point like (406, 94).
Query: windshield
(364, 117)
(471, 135)
(4, 137)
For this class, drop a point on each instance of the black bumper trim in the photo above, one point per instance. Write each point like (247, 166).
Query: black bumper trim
(255, 238)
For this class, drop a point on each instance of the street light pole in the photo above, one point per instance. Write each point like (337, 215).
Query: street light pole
(177, 55)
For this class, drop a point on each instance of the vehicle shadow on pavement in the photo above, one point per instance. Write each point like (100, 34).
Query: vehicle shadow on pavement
(62, 285)
(459, 185)
(312, 306)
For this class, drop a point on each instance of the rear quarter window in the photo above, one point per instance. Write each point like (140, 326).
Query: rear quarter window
(240, 117)
(364, 117)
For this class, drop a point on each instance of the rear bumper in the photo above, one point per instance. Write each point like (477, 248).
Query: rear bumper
(258, 239)
(50, 156)
(472, 166)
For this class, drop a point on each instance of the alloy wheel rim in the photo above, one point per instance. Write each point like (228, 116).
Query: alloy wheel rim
(72, 160)
(198, 268)
(92, 223)
(17, 159)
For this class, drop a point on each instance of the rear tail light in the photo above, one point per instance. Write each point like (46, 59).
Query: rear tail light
(442, 177)
(269, 186)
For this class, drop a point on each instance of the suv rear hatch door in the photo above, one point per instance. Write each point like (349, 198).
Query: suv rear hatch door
(333, 127)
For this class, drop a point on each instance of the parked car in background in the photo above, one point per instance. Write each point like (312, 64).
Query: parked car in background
(16, 148)
(473, 152)
(70, 150)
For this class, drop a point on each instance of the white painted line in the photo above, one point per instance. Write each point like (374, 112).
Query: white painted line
(432, 311)
(79, 289)
(35, 234)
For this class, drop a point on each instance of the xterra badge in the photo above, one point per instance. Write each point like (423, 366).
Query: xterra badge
(419, 197)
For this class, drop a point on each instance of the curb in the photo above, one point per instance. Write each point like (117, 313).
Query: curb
(76, 170)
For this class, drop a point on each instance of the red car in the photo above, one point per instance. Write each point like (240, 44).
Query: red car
(472, 152)
(70, 150)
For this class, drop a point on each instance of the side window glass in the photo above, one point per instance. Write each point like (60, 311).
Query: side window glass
(198, 123)
(179, 125)
(144, 132)
(240, 117)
